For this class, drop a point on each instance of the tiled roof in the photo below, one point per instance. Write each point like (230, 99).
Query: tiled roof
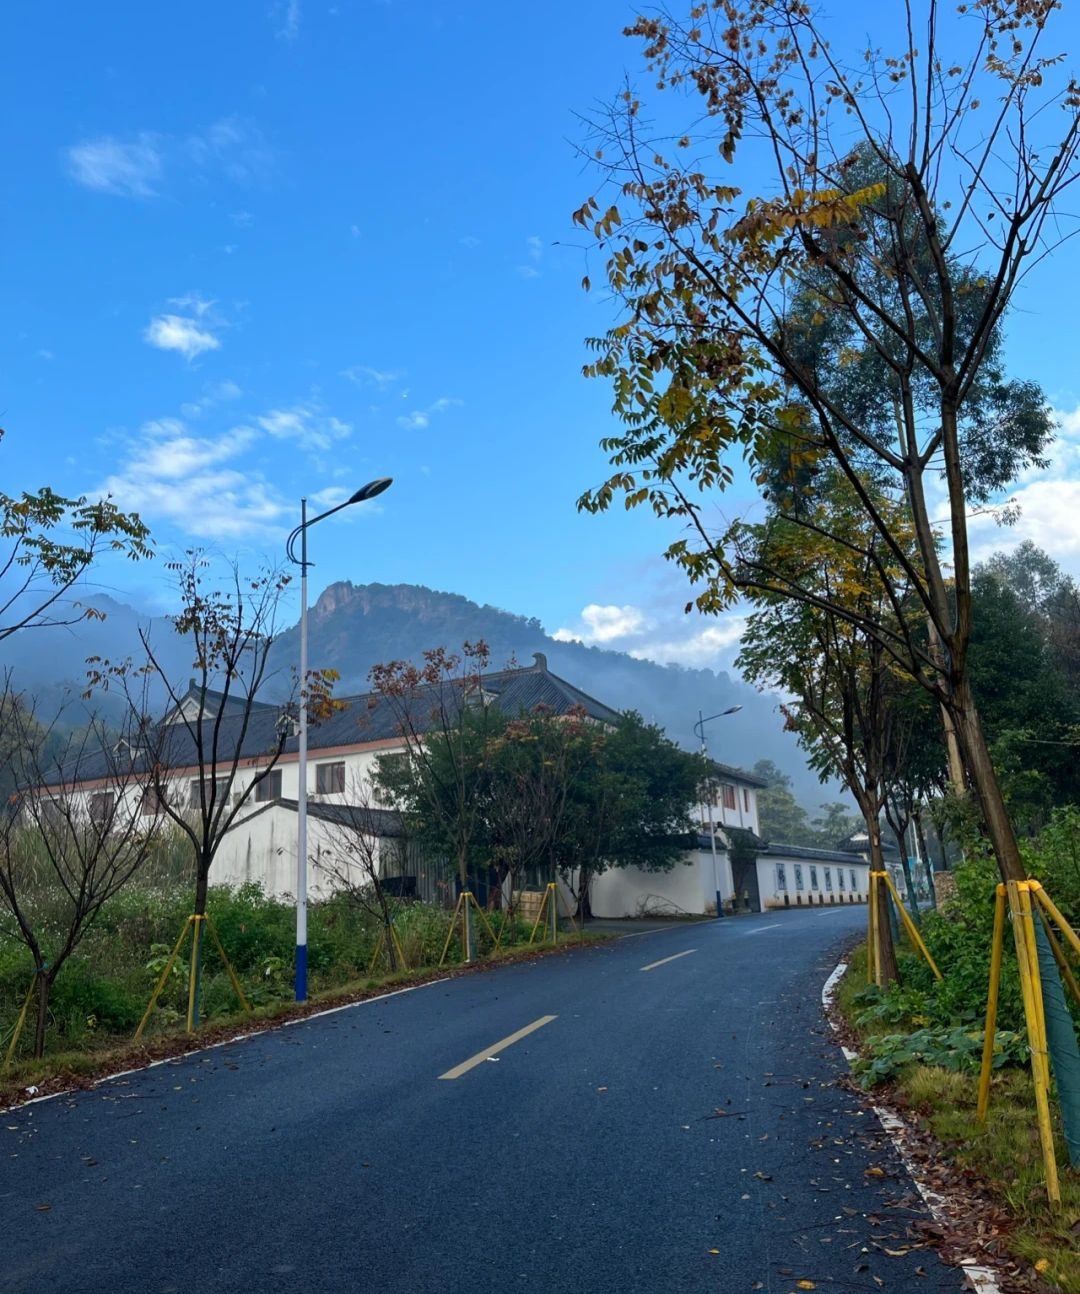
(374, 822)
(737, 774)
(358, 721)
(810, 855)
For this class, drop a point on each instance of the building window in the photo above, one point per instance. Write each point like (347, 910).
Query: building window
(854, 881)
(840, 878)
(828, 879)
(269, 788)
(222, 790)
(813, 878)
(102, 804)
(329, 778)
(746, 799)
(798, 876)
(781, 877)
(728, 792)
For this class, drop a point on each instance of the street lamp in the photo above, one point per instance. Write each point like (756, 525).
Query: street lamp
(368, 491)
(699, 732)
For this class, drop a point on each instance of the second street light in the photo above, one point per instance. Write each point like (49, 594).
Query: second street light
(365, 492)
(699, 732)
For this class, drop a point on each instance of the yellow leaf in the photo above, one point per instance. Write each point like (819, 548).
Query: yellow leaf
(1042, 1264)
(714, 1251)
(805, 1285)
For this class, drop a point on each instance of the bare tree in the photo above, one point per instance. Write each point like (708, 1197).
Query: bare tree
(78, 827)
(219, 741)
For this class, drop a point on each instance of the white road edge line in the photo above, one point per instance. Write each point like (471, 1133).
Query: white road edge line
(758, 929)
(225, 1042)
(983, 1280)
(664, 960)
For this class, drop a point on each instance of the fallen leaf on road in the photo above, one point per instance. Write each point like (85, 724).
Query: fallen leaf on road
(601, 1089)
(714, 1251)
(43, 1208)
(806, 1285)
(875, 1172)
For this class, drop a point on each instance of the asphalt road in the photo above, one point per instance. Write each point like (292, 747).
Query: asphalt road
(676, 1125)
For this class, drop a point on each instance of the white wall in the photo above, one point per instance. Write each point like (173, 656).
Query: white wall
(801, 890)
(689, 887)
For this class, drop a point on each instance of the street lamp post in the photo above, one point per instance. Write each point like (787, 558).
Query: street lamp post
(368, 491)
(699, 732)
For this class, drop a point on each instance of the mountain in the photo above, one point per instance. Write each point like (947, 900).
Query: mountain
(355, 626)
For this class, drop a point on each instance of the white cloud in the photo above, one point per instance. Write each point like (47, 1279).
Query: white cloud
(213, 394)
(45, 354)
(364, 375)
(234, 145)
(176, 332)
(535, 250)
(286, 16)
(174, 475)
(604, 624)
(307, 424)
(697, 641)
(469, 240)
(192, 301)
(241, 218)
(708, 648)
(1048, 504)
(130, 169)
(418, 419)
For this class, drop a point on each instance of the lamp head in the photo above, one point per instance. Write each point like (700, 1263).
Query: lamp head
(372, 488)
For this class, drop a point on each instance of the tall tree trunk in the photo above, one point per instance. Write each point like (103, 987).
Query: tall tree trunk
(984, 782)
(202, 884)
(920, 835)
(41, 1024)
(886, 949)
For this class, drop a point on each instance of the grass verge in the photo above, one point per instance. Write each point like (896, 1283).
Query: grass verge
(1002, 1156)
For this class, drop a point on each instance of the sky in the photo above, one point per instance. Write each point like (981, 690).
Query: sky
(276, 248)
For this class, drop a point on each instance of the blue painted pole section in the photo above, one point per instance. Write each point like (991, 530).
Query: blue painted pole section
(301, 972)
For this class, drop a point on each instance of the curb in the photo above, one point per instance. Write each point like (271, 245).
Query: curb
(982, 1279)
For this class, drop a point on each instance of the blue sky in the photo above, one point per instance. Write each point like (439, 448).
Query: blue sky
(262, 249)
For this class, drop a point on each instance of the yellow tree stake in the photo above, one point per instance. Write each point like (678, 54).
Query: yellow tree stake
(996, 948)
(453, 923)
(1047, 902)
(1031, 987)
(872, 974)
(233, 979)
(20, 1021)
(540, 914)
(161, 982)
(911, 928)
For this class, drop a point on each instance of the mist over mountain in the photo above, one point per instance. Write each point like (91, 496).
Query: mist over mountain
(355, 626)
